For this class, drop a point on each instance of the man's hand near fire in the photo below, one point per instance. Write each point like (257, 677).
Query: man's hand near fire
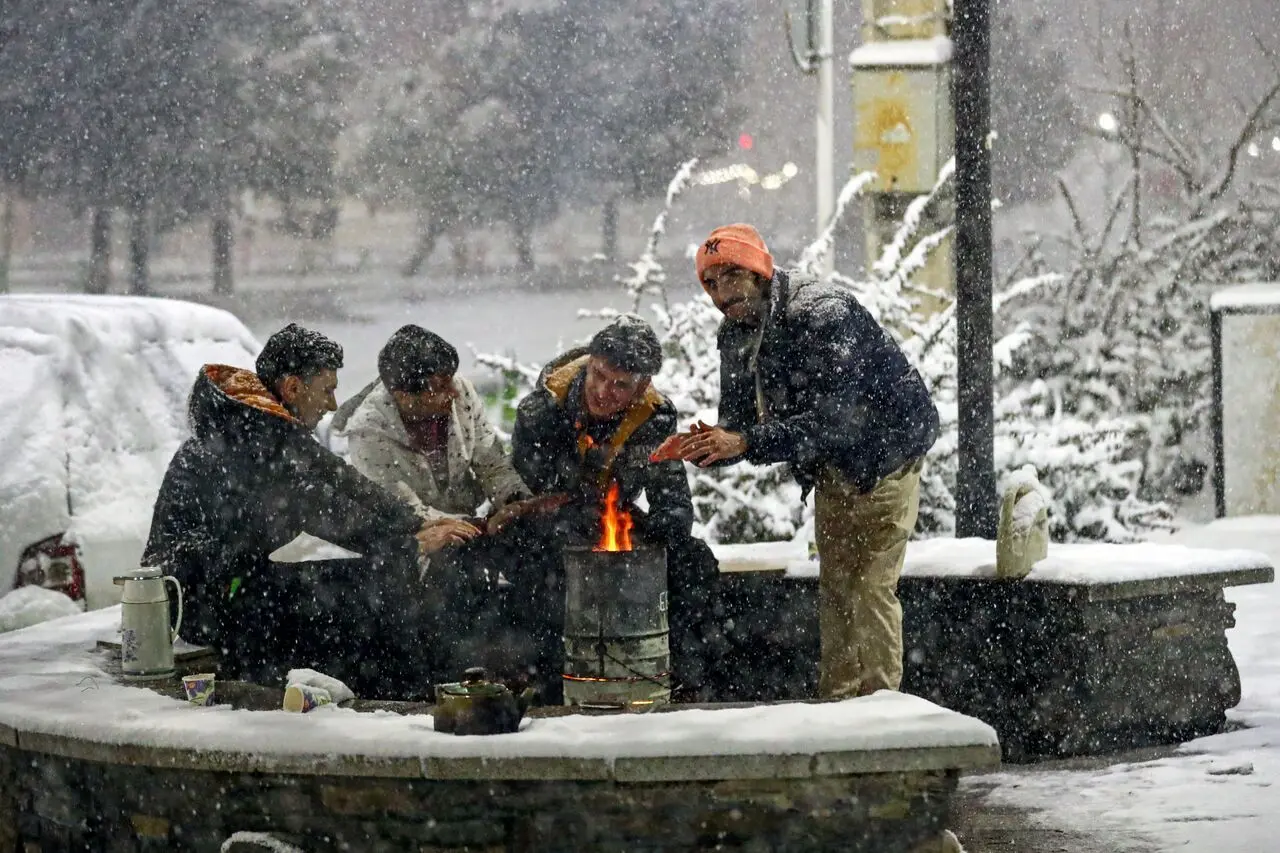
(444, 532)
(702, 445)
(541, 505)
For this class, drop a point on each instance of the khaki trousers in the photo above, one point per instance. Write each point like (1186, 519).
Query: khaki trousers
(862, 542)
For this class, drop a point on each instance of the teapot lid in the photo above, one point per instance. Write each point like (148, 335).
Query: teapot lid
(475, 682)
(142, 573)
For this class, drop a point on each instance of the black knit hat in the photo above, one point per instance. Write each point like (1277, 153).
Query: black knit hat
(630, 344)
(295, 351)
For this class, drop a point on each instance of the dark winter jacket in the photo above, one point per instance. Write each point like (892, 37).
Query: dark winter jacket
(548, 457)
(249, 480)
(835, 387)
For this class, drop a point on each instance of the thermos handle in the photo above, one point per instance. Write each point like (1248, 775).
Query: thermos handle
(173, 638)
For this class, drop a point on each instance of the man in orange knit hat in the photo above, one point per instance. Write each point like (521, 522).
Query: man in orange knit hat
(808, 377)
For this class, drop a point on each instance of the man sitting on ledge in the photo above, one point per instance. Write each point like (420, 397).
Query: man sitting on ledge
(249, 480)
(420, 431)
(593, 421)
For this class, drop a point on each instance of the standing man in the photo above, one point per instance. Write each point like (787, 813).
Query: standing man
(808, 377)
(594, 420)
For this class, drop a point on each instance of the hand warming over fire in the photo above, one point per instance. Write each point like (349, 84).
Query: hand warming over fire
(441, 534)
(518, 509)
(669, 450)
(715, 444)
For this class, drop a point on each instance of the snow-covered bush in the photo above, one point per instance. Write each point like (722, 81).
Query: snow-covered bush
(1182, 209)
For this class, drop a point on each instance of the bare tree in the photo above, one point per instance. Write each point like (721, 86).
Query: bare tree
(1184, 212)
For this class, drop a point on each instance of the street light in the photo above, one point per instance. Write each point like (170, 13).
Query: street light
(976, 509)
(1108, 123)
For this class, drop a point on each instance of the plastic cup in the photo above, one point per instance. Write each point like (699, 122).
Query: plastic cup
(199, 687)
(301, 698)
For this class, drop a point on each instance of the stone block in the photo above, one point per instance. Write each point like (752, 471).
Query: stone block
(712, 767)
(149, 826)
(1056, 669)
(368, 797)
(516, 769)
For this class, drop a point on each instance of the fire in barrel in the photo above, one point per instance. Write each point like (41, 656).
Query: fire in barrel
(616, 645)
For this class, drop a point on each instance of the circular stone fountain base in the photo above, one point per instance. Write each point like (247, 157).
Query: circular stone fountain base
(89, 763)
(75, 804)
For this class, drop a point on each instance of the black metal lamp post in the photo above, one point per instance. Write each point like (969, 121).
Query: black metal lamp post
(976, 499)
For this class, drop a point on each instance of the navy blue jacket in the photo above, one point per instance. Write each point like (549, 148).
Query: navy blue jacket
(837, 389)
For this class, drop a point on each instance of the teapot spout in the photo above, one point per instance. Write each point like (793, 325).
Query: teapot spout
(528, 698)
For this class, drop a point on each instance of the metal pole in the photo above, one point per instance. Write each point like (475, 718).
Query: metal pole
(1219, 448)
(825, 136)
(976, 499)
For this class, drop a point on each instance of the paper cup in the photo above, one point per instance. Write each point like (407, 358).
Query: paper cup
(199, 688)
(301, 698)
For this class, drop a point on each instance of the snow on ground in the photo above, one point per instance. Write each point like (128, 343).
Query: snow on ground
(31, 605)
(1218, 793)
(51, 682)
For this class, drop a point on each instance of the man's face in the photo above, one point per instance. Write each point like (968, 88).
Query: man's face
(737, 292)
(309, 400)
(432, 401)
(608, 390)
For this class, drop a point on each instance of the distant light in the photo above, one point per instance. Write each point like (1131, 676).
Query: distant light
(745, 142)
(790, 170)
(1108, 122)
(1275, 143)
(1253, 149)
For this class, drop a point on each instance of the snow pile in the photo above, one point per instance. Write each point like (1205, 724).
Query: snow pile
(31, 605)
(93, 407)
(1026, 510)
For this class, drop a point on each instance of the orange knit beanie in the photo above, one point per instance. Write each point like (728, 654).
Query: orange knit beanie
(739, 245)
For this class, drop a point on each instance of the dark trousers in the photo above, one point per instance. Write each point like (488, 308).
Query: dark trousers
(369, 621)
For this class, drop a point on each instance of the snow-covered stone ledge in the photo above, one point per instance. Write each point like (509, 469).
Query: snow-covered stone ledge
(1101, 647)
(1094, 570)
(85, 759)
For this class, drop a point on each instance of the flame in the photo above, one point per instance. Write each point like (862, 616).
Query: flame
(615, 524)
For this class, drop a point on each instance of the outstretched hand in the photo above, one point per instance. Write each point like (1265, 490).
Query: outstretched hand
(703, 444)
(716, 444)
(518, 509)
(435, 535)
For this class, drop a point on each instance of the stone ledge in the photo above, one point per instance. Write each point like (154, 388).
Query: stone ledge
(57, 803)
(1079, 571)
(1055, 669)
(690, 768)
(170, 758)
(1053, 589)
(1168, 585)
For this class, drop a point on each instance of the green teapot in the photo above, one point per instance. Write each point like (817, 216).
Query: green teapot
(477, 706)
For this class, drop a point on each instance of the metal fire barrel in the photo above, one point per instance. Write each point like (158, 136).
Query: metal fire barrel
(616, 646)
